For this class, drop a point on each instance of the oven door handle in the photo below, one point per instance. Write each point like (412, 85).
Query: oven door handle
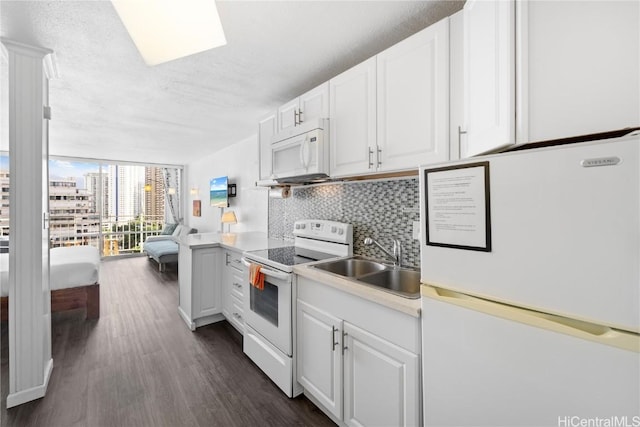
(268, 272)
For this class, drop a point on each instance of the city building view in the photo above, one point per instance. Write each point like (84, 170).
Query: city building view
(112, 207)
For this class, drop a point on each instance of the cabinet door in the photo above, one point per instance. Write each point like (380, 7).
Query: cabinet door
(352, 115)
(381, 381)
(266, 130)
(319, 346)
(206, 282)
(594, 83)
(315, 103)
(287, 115)
(489, 63)
(413, 100)
(456, 84)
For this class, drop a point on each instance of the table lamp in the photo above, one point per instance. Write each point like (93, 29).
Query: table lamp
(228, 217)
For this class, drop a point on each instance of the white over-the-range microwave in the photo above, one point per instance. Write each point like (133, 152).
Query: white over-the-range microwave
(301, 154)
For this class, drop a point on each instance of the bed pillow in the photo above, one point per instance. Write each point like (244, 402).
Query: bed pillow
(168, 229)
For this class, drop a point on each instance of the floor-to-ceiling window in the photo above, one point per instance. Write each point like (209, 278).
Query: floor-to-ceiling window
(111, 206)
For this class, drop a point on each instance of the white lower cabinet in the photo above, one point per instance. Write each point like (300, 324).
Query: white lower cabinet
(199, 282)
(357, 360)
(381, 381)
(320, 356)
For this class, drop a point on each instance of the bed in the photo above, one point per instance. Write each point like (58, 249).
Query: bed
(74, 280)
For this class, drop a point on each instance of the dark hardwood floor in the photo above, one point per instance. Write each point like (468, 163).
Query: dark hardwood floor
(139, 365)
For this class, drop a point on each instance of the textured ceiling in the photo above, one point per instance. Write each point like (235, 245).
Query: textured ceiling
(108, 104)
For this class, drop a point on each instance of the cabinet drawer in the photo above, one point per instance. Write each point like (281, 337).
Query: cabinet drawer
(235, 284)
(236, 317)
(233, 259)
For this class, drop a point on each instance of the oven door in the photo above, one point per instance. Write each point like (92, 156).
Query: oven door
(268, 311)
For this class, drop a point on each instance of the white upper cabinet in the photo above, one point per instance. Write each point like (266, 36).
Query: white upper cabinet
(581, 61)
(413, 100)
(489, 75)
(391, 112)
(288, 115)
(312, 105)
(541, 70)
(352, 120)
(266, 130)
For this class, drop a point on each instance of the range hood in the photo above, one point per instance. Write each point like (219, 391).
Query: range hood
(311, 178)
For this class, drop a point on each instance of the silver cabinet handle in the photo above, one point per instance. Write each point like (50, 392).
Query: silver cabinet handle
(370, 154)
(237, 285)
(460, 133)
(226, 258)
(334, 343)
(300, 119)
(379, 156)
(344, 342)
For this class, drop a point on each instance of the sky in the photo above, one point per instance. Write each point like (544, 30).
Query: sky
(62, 169)
(66, 169)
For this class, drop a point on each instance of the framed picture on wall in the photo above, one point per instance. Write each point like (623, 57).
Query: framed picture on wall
(197, 208)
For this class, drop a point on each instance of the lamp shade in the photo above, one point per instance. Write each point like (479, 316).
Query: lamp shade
(229, 217)
(164, 30)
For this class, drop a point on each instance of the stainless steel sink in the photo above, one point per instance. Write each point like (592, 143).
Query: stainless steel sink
(404, 282)
(351, 267)
(398, 280)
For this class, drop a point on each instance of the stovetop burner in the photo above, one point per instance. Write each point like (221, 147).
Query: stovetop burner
(290, 255)
(314, 240)
(286, 256)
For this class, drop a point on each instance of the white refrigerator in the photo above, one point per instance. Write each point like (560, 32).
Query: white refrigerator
(530, 264)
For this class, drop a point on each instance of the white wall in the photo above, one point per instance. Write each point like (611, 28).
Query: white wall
(240, 163)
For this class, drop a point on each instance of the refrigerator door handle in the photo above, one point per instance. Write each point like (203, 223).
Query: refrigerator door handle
(590, 331)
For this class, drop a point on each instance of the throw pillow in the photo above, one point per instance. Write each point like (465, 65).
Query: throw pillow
(168, 229)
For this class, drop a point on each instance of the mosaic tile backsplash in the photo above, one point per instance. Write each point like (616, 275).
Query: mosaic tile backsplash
(383, 210)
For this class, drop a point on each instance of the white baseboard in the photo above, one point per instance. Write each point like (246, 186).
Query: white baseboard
(207, 320)
(33, 393)
(187, 320)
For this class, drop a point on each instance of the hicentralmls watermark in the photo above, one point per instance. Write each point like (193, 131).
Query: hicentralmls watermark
(613, 421)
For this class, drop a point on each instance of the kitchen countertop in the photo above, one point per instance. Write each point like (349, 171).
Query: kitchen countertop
(370, 293)
(242, 241)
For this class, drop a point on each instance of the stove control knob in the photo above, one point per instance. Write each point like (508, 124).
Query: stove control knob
(297, 226)
(303, 226)
(341, 232)
(333, 229)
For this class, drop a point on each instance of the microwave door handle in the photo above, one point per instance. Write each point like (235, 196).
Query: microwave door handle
(305, 156)
(268, 272)
(302, 153)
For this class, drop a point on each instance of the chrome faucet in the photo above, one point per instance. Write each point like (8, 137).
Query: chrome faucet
(395, 254)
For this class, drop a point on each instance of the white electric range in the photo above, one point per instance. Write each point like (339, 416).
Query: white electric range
(269, 313)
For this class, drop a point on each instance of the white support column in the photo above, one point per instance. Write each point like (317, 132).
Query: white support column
(30, 361)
